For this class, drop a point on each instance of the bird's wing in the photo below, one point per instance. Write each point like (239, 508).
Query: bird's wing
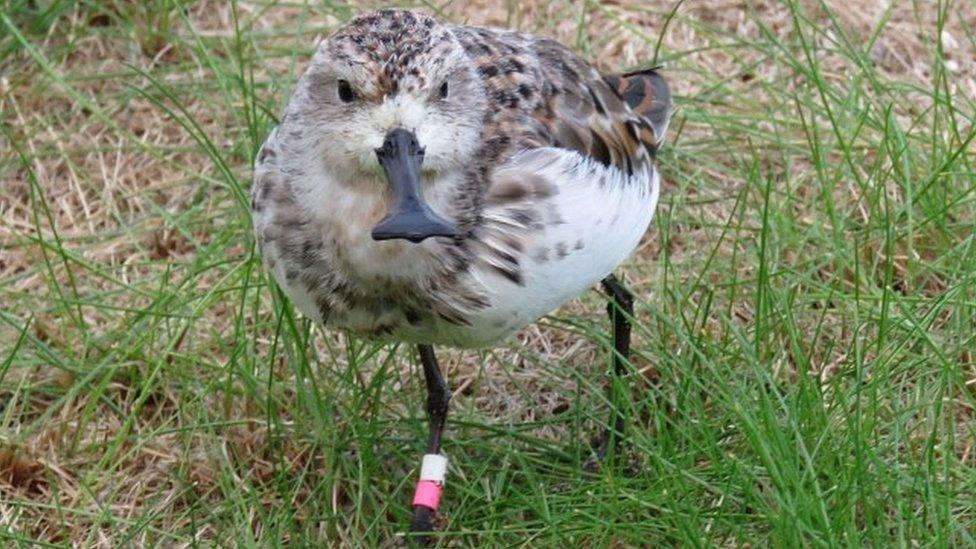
(541, 94)
(616, 120)
(648, 95)
(571, 181)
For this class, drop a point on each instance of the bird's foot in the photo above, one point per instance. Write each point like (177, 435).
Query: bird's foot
(424, 523)
(613, 454)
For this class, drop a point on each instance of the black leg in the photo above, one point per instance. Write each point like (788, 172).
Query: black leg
(438, 399)
(620, 309)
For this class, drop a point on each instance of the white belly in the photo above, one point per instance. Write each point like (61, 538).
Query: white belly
(596, 221)
(532, 254)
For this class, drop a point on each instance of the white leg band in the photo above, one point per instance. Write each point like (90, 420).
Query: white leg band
(433, 468)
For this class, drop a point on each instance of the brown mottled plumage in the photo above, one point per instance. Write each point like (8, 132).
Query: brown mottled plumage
(551, 97)
(445, 184)
(512, 92)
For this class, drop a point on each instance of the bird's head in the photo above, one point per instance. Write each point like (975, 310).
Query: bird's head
(391, 99)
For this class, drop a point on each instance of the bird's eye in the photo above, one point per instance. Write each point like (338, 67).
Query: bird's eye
(345, 92)
(444, 90)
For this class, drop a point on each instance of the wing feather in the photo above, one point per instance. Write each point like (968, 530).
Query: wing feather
(545, 95)
(648, 95)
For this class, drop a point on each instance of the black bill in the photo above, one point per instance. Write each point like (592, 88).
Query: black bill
(410, 217)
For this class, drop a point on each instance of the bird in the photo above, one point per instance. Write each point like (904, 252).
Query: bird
(446, 185)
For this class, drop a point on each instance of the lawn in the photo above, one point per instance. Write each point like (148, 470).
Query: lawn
(804, 368)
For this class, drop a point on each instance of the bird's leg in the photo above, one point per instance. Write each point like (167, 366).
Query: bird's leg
(620, 309)
(438, 397)
(427, 496)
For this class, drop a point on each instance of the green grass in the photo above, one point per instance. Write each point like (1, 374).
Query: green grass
(804, 369)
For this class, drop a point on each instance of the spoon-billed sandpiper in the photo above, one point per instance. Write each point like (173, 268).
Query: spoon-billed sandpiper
(447, 185)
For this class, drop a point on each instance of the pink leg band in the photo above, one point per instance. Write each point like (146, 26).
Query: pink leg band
(428, 494)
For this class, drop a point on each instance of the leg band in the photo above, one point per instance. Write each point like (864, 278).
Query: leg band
(432, 472)
(428, 494)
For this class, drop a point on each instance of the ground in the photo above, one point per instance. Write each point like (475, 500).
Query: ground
(804, 368)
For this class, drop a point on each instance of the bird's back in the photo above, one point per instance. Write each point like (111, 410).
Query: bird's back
(546, 95)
